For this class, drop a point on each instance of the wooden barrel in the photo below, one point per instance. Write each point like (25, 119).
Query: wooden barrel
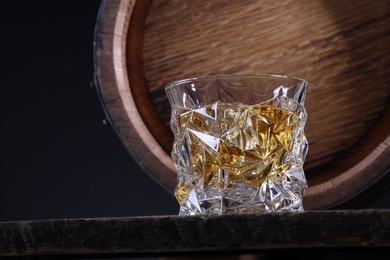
(341, 47)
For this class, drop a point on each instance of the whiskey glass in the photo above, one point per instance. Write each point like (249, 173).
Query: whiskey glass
(239, 143)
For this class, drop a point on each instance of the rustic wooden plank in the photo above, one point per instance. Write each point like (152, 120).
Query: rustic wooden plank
(174, 234)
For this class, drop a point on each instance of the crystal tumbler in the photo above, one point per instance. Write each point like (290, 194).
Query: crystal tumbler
(239, 143)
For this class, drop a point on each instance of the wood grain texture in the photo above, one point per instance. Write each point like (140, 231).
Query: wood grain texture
(167, 234)
(340, 47)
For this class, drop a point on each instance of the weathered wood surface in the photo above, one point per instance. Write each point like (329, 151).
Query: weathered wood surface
(172, 234)
(340, 47)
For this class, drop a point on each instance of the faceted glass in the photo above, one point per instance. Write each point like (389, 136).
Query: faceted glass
(239, 143)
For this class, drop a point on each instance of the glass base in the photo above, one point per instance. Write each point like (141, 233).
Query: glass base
(281, 194)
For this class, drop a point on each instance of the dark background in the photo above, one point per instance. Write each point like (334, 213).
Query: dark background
(57, 158)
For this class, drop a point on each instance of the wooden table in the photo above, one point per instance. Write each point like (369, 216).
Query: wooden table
(170, 235)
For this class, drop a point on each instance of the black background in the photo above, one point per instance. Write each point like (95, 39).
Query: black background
(57, 158)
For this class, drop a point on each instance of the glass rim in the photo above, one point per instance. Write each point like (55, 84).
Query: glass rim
(176, 83)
